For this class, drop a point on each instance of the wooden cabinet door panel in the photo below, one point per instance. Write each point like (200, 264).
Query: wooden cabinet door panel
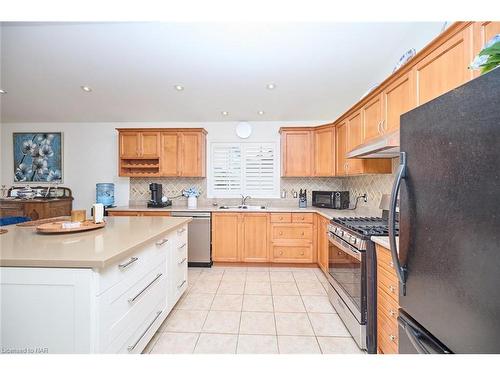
(372, 119)
(150, 144)
(354, 131)
(324, 151)
(398, 98)
(445, 68)
(169, 154)
(191, 154)
(225, 237)
(323, 244)
(255, 237)
(296, 153)
(129, 144)
(341, 149)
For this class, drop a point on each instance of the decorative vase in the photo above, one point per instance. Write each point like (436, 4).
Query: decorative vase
(192, 202)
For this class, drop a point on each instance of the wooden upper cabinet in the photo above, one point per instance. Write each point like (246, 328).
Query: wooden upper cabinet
(150, 144)
(226, 229)
(169, 154)
(296, 152)
(192, 154)
(354, 131)
(445, 68)
(255, 237)
(372, 115)
(399, 97)
(341, 149)
(130, 144)
(324, 151)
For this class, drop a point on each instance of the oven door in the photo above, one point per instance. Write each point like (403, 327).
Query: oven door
(347, 274)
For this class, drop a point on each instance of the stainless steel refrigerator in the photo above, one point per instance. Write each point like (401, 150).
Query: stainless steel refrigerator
(449, 246)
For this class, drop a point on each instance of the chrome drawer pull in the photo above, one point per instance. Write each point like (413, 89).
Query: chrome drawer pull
(182, 246)
(180, 231)
(132, 347)
(125, 265)
(132, 300)
(162, 242)
(182, 284)
(182, 261)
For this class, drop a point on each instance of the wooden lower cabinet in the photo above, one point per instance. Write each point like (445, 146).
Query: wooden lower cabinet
(226, 236)
(387, 303)
(139, 213)
(255, 241)
(292, 238)
(322, 243)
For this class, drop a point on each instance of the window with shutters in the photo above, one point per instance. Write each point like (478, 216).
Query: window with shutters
(243, 168)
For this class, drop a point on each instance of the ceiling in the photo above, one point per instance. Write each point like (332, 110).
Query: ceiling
(319, 69)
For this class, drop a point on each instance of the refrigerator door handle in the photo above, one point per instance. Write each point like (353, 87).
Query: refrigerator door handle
(423, 343)
(400, 175)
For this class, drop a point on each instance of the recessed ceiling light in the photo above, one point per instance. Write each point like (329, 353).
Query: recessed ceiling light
(179, 87)
(225, 113)
(261, 112)
(86, 88)
(271, 86)
(2, 91)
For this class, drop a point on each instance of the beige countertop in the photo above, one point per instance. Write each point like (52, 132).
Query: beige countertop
(23, 247)
(326, 212)
(384, 241)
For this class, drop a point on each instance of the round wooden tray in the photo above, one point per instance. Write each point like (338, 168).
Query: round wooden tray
(56, 227)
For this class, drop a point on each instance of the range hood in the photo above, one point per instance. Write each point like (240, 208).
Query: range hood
(385, 146)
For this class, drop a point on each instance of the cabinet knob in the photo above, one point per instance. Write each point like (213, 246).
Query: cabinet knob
(301, 253)
(281, 252)
(392, 337)
(302, 233)
(391, 264)
(281, 217)
(281, 233)
(392, 288)
(392, 312)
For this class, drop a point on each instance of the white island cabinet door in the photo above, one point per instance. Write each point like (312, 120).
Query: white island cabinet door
(177, 266)
(46, 310)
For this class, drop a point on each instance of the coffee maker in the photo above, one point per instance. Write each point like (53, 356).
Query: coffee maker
(156, 197)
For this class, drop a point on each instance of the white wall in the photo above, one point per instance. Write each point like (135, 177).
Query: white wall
(91, 151)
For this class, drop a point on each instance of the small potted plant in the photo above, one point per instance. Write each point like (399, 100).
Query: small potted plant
(192, 195)
(489, 57)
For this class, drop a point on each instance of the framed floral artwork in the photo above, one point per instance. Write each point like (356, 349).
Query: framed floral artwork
(38, 157)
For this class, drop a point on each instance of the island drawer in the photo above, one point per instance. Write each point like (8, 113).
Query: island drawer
(181, 235)
(134, 266)
(292, 232)
(126, 305)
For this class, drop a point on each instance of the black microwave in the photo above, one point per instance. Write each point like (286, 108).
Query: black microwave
(331, 199)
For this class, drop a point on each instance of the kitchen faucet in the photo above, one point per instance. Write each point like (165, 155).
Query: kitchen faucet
(244, 199)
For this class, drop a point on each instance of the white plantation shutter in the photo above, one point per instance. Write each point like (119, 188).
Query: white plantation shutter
(243, 168)
(259, 169)
(226, 170)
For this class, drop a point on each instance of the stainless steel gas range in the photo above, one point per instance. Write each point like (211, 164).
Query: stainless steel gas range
(352, 275)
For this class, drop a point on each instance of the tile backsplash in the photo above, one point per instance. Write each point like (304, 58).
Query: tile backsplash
(373, 185)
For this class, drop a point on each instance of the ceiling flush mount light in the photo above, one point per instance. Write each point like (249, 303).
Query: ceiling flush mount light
(243, 129)
(271, 86)
(261, 112)
(179, 87)
(86, 88)
(2, 91)
(224, 113)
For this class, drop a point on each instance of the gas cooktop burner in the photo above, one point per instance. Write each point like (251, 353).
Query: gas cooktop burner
(367, 226)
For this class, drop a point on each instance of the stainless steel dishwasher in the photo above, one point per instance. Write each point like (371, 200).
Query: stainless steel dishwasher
(199, 238)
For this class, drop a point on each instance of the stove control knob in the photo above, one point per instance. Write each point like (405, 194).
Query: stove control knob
(354, 240)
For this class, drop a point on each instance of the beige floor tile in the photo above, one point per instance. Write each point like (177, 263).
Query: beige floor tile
(288, 304)
(328, 325)
(284, 289)
(318, 304)
(339, 345)
(210, 343)
(283, 276)
(230, 275)
(298, 345)
(231, 287)
(184, 321)
(222, 322)
(321, 277)
(257, 268)
(195, 301)
(304, 276)
(257, 323)
(175, 343)
(258, 287)
(258, 276)
(203, 286)
(257, 303)
(257, 344)
(207, 277)
(311, 288)
(152, 342)
(227, 302)
(293, 324)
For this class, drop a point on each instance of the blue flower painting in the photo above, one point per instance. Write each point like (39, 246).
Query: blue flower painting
(38, 157)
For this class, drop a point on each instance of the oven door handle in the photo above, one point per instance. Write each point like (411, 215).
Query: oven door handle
(400, 175)
(345, 247)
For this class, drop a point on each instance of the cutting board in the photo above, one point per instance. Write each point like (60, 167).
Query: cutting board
(56, 227)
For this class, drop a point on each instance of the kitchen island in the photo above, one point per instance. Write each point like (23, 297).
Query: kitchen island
(102, 291)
